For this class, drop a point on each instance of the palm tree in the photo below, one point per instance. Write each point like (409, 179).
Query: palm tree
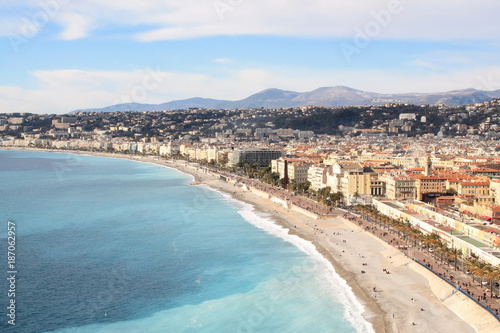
(496, 277)
(445, 252)
(426, 240)
(490, 273)
(451, 254)
(385, 220)
(408, 230)
(455, 253)
(433, 240)
(340, 196)
(441, 249)
(477, 269)
(401, 228)
(416, 235)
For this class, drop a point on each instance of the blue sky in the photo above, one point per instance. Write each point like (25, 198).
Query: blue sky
(61, 55)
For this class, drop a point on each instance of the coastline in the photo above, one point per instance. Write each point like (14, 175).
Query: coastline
(396, 305)
(399, 297)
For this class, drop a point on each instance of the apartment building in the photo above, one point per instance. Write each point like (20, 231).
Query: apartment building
(260, 157)
(399, 186)
(474, 188)
(429, 185)
(316, 175)
(298, 171)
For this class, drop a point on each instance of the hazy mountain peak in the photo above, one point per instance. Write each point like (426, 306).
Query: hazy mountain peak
(465, 90)
(341, 88)
(324, 96)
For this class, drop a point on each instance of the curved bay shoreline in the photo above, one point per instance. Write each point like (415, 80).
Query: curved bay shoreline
(410, 299)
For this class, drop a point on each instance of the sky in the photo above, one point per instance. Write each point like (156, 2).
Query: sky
(60, 55)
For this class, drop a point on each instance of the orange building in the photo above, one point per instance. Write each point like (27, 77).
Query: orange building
(474, 188)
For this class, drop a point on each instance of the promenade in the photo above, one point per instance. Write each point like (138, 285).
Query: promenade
(461, 281)
(292, 199)
(404, 300)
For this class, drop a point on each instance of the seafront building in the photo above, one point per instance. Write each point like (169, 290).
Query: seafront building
(397, 174)
(442, 184)
(262, 157)
(296, 168)
(471, 236)
(399, 186)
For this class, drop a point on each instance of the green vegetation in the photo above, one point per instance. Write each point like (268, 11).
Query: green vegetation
(333, 121)
(433, 243)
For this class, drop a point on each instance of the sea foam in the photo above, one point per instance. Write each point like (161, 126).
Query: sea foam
(334, 283)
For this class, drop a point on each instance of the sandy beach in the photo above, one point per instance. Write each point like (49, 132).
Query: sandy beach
(398, 300)
(409, 299)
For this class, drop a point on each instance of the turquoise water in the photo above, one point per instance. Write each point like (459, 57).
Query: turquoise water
(111, 245)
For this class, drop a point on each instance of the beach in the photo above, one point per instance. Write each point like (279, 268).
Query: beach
(393, 302)
(409, 299)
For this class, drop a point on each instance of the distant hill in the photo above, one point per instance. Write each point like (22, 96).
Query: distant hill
(327, 96)
(269, 98)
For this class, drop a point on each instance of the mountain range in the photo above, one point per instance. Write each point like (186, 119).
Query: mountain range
(327, 96)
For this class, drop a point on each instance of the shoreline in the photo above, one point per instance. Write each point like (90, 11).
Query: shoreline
(420, 290)
(400, 298)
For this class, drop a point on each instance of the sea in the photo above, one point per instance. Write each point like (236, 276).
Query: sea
(96, 244)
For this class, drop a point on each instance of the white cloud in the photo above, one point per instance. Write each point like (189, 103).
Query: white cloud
(223, 60)
(65, 90)
(444, 60)
(173, 19)
(76, 26)
(487, 78)
(61, 91)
